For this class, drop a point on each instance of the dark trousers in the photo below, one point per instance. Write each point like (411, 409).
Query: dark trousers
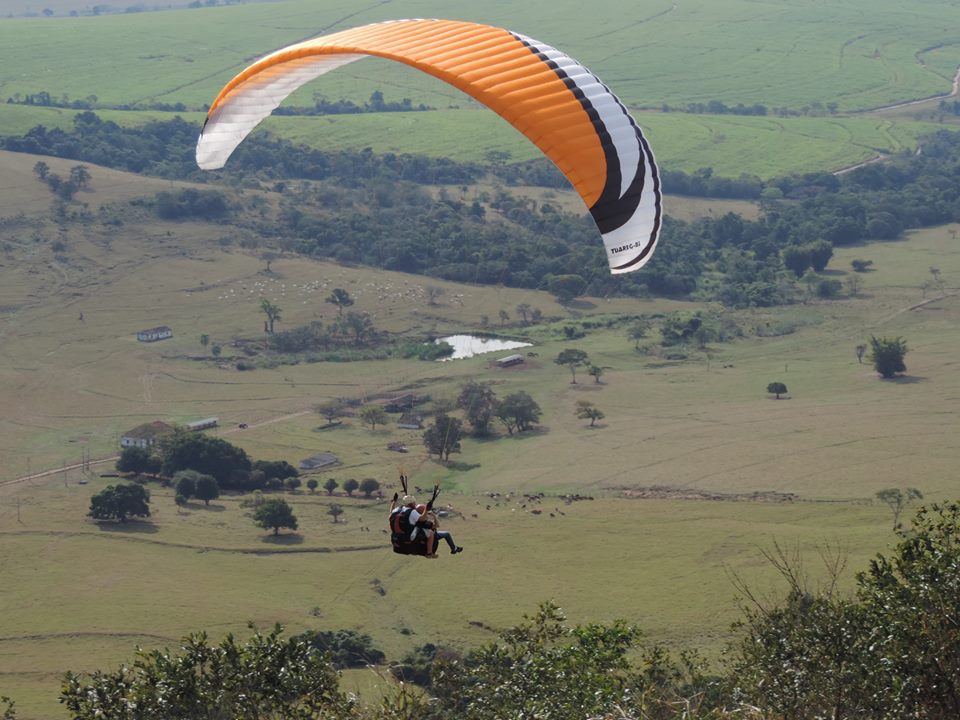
(445, 535)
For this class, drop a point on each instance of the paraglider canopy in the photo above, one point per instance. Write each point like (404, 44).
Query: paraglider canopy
(555, 101)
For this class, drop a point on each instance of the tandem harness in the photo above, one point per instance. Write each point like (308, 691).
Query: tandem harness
(401, 529)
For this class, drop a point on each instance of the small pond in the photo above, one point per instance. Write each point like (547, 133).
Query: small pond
(465, 346)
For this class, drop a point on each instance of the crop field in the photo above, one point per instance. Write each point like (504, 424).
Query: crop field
(711, 454)
(856, 56)
(859, 54)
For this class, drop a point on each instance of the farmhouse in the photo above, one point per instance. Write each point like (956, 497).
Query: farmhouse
(154, 334)
(510, 360)
(146, 435)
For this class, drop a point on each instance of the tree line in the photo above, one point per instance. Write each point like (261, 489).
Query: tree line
(370, 210)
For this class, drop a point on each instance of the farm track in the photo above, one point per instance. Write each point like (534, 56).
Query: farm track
(113, 535)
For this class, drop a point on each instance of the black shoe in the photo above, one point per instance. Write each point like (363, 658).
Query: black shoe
(456, 550)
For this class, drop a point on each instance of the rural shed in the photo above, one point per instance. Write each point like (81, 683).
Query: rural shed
(319, 461)
(154, 334)
(146, 435)
(408, 421)
(510, 360)
(198, 425)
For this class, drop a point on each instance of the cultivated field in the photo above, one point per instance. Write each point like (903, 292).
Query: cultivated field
(857, 56)
(78, 595)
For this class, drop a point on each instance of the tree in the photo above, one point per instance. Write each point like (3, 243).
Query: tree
(820, 253)
(41, 170)
(595, 371)
(350, 486)
(539, 669)
(80, 176)
(566, 287)
(478, 401)
(897, 499)
(271, 311)
(368, 486)
(312, 484)
(331, 411)
(373, 415)
(120, 502)
(360, 325)
(335, 511)
(133, 460)
(292, 483)
(518, 411)
(504, 317)
(330, 485)
(586, 410)
(796, 258)
(182, 450)
(434, 294)
(887, 354)
(776, 388)
(204, 341)
(266, 676)
(861, 266)
(443, 437)
(185, 483)
(573, 359)
(523, 310)
(638, 331)
(341, 298)
(280, 469)
(207, 489)
(216, 350)
(275, 514)
(854, 284)
(913, 603)
(860, 350)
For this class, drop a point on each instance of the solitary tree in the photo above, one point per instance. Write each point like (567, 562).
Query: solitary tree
(572, 358)
(434, 294)
(523, 310)
(373, 415)
(275, 514)
(120, 502)
(854, 284)
(504, 316)
(204, 340)
(638, 331)
(776, 388)
(207, 489)
(41, 169)
(80, 176)
(897, 499)
(443, 437)
(518, 411)
(185, 483)
(586, 410)
(331, 411)
(368, 486)
(350, 486)
(596, 371)
(861, 350)
(341, 298)
(330, 485)
(271, 311)
(335, 511)
(886, 354)
(312, 485)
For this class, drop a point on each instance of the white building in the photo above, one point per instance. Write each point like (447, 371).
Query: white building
(154, 334)
(146, 435)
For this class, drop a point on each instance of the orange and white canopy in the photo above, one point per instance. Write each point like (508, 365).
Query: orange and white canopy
(555, 101)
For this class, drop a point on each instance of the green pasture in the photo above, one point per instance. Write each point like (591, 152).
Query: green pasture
(731, 145)
(858, 54)
(81, 596)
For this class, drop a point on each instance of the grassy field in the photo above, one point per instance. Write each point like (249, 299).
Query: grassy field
(78, 595)
(731, 145)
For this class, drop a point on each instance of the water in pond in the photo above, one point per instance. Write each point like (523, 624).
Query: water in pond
(465, 346)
